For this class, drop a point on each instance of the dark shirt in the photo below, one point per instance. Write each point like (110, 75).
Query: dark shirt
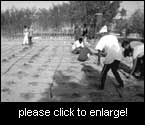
(30, 32)
(83, 54)
(84, 32)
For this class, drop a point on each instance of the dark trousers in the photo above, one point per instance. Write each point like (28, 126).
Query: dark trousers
(140, 67)
(114, 67)
(30, 40)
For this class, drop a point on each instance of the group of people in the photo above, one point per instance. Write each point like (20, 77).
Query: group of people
(28, 34)
(80, 44)
(109, 47)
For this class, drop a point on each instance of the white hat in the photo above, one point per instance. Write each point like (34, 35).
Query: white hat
(103, 29)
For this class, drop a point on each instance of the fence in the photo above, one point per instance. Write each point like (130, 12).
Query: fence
(54, 35)
(58, 35)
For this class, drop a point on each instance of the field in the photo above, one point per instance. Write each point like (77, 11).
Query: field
(48, 72)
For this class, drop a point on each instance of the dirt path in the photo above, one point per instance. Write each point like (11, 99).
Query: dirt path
(48, 72)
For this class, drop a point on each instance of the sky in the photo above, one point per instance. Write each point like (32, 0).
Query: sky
(130, 6)
(29, 4)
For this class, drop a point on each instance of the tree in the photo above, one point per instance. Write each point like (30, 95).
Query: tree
(136, 22)
(123, 13)
(84, 11)
(13, 20)
(121, 23)
(74, 12)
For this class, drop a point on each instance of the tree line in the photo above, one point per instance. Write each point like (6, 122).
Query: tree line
(134, 24)
(67, 15)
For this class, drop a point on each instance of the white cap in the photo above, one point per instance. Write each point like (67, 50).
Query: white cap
(103, 29)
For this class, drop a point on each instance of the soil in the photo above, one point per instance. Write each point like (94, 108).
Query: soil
(49, 72)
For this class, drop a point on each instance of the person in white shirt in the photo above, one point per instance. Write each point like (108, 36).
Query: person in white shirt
(77, 46)
(26, 34)
(108, 47)
(137, 54)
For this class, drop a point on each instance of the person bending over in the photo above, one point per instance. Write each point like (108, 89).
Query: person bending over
(108, 47)
(137, 54)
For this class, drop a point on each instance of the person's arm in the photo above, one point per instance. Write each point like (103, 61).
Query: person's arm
(32, 31)
(134, 66)
(100, 47)
(91, 53)
(82, 45)
(99, 56)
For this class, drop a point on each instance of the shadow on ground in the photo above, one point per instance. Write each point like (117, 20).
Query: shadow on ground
(65, 89)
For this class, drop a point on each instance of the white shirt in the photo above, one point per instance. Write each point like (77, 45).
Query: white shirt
(103, 29)
(111, 46)
(77, 44)
(135, 43)
(26, 32)
(138, 51)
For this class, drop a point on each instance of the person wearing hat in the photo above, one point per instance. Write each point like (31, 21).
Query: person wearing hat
(108, 47)
(103, 30)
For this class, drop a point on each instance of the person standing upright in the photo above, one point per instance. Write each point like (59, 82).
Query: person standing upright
(84, 33)
(30, 35)
(77, 33)
(26, 33)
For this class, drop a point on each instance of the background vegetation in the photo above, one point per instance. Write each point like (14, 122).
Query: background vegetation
(65, 16)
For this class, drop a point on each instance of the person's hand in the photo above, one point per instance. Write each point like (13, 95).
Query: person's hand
(103, 54)
(129, 76)
(96, 54)
(98, 63)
